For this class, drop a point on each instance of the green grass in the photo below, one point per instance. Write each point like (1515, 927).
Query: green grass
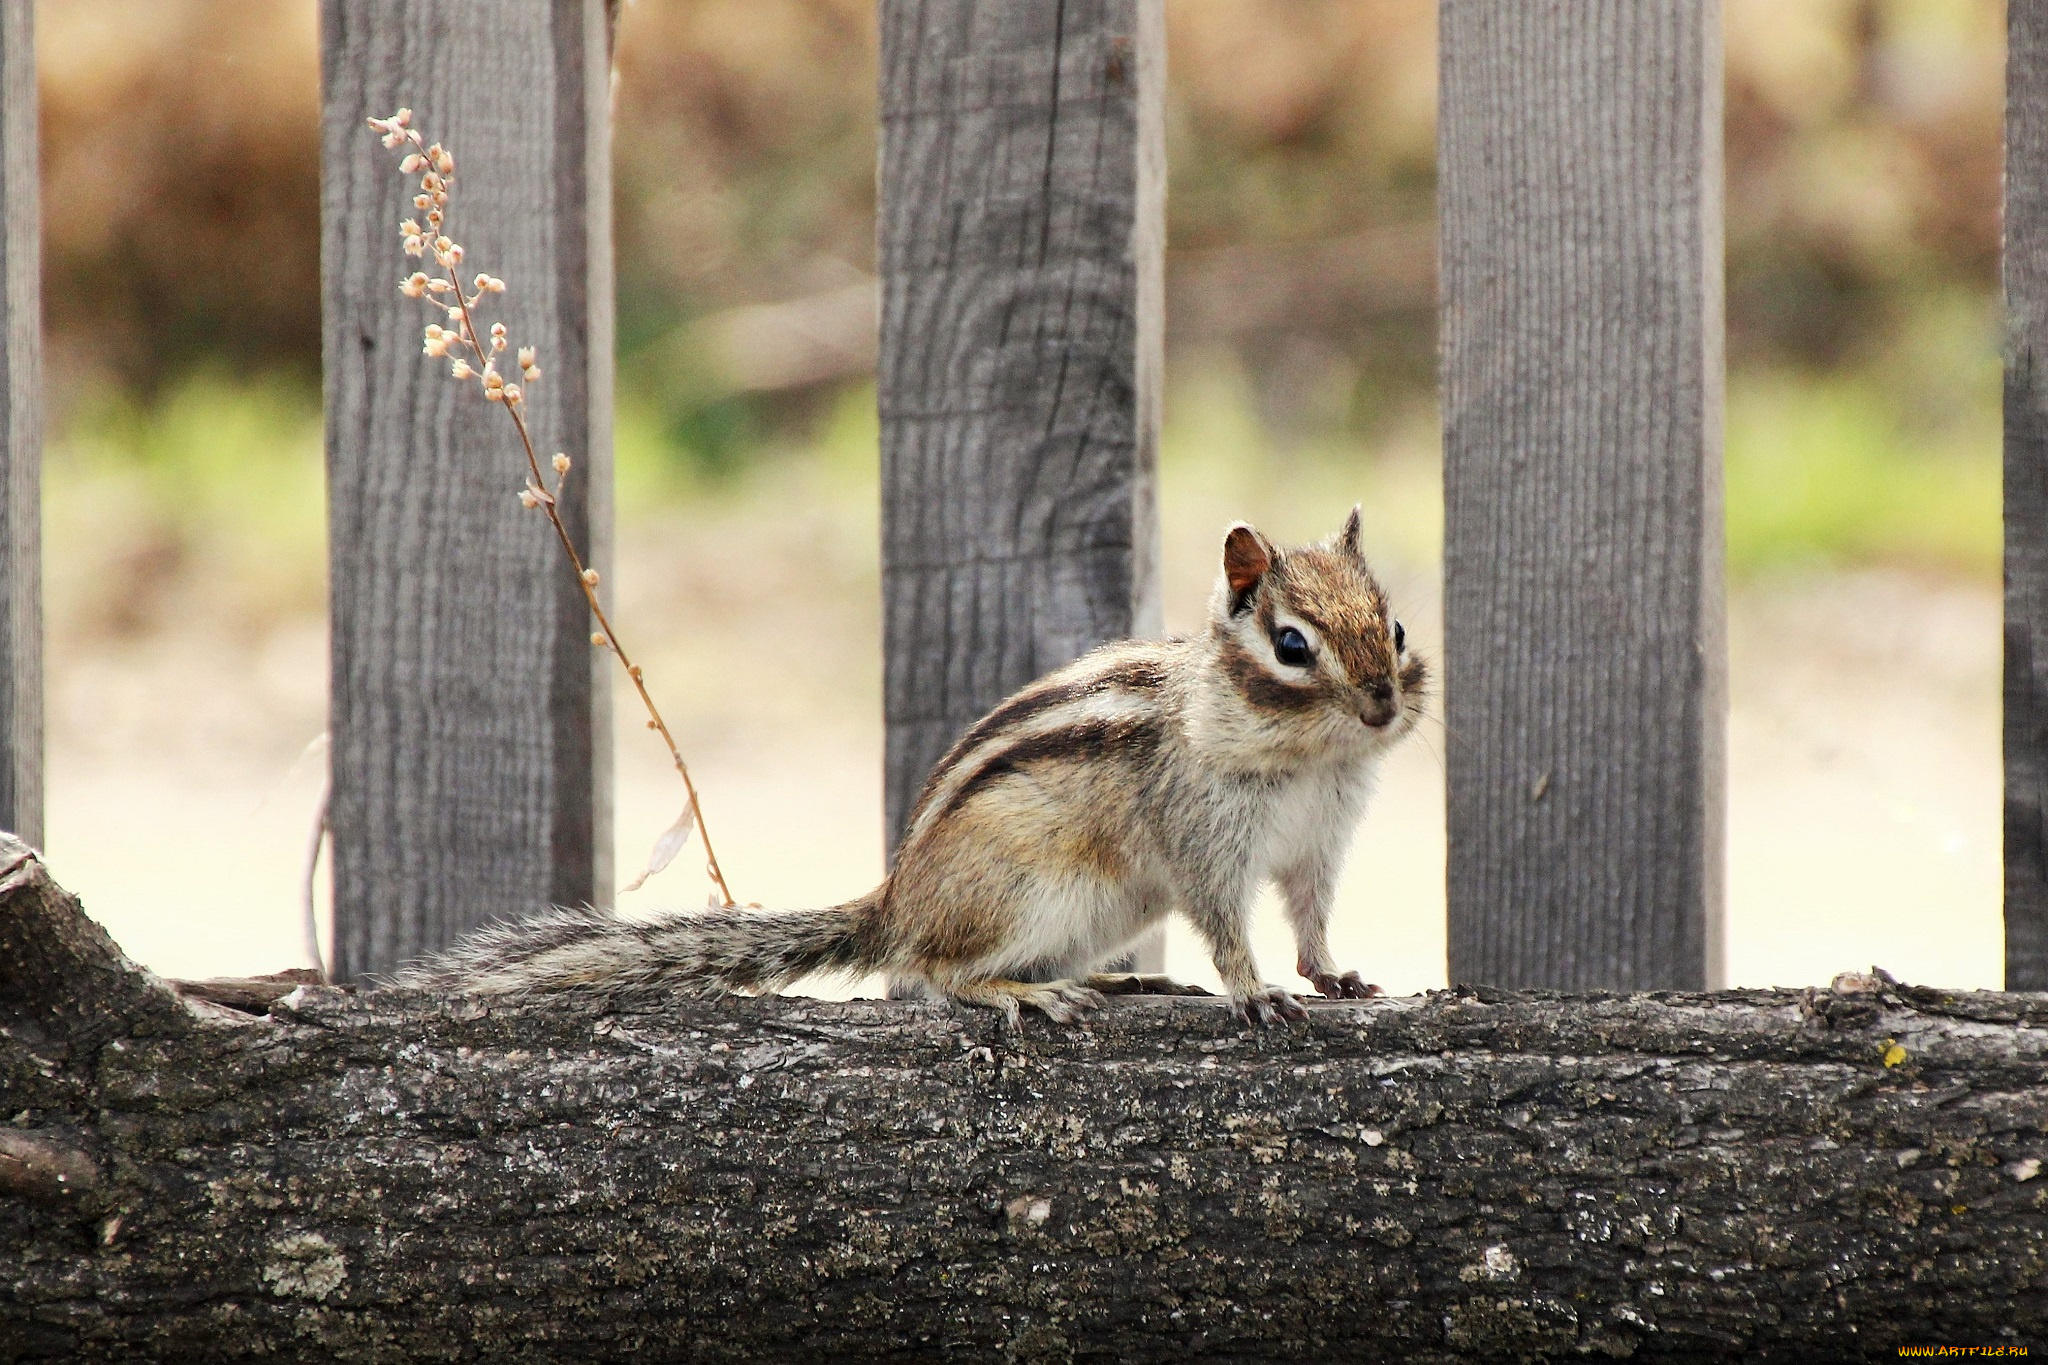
(655, 469)
(1835, 472)
(219, 482)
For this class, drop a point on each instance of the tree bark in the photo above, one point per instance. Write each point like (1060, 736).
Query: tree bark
(1764, 1175)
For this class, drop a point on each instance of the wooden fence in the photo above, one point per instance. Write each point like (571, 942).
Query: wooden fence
(1021, 225)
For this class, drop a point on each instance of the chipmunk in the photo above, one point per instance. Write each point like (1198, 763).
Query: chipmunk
(1143, 778)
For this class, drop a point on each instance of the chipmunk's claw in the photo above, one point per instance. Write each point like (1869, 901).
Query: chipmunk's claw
(1349, 986)
(1064, 1002)
(1269, 1007)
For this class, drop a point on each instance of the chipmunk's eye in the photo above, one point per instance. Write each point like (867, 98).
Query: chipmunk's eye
(1290, 648)
(1400, 638)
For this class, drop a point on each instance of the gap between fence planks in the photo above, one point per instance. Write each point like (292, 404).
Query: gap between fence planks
(1580, 162)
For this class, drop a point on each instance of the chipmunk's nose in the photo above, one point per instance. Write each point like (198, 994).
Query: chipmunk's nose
(1379, 709)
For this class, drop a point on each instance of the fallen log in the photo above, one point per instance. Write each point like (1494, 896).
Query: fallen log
(1767, 1175)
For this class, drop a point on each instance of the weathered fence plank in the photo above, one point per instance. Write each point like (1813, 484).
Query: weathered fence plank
(471, 747)
(2026, 496)
(21, 432)
(1021, 237)
(1579, 153)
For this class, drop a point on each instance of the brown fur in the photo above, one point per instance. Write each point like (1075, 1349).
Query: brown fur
(1415, 679)
(1132, 738)
(945, 928)
(1324, 588)
(1098, 853)
(1135, 675)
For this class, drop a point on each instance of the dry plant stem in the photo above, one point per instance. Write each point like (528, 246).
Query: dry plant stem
(550, 506)
(512, 397)
(309, 916)
(604, 624)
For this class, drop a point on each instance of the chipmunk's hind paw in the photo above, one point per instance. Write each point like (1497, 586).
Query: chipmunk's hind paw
(1269, 1007)
(1349, 986)
(1142, 983)
(1063, 1002)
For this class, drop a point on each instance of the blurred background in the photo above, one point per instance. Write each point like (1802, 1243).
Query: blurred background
(185, 525)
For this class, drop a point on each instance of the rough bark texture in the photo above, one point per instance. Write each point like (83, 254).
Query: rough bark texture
(1580, 150)
(471, 750)
(2026, 496)
(21, 432)
(1021, 233)
(1752, 1175)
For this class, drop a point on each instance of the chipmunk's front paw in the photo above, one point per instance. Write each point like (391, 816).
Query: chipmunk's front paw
(1349, 986)
(1269, 1007)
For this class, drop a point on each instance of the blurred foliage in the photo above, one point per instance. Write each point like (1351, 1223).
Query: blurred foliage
(1828, 473)
(181, 143)
(1897, 460)
(181, 166)
(181, 184)
(206, 500)
(1863, 153)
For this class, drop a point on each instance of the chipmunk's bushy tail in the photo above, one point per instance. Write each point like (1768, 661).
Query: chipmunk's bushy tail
(692, 952)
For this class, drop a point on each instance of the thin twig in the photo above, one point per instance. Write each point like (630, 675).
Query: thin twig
(307, 881)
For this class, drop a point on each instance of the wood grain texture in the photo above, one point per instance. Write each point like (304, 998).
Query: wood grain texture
(21, 432)
(2026, 496)
(470, 716)
(1495, 1176)
(1579, 154)
(1021, 236)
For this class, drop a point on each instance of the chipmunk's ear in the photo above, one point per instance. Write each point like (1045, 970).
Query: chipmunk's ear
(1247, 558)
(1347, 539)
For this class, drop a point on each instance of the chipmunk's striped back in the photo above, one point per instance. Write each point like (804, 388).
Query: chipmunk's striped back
(1111, 701)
